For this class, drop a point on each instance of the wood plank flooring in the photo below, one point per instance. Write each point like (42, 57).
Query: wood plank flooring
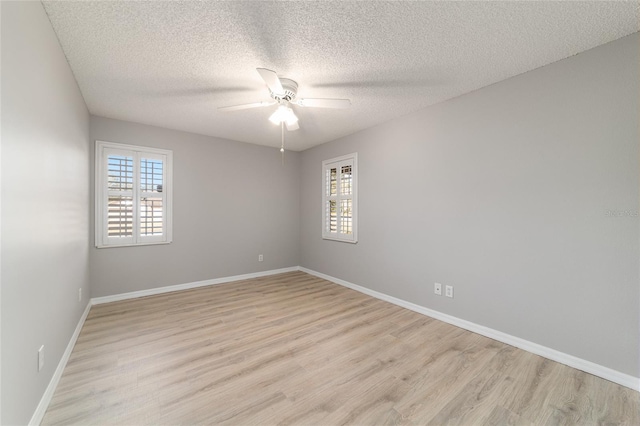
(293, 349)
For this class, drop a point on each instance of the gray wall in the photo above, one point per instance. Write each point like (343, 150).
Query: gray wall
(45, 206)
(231, 202)
(504, 194)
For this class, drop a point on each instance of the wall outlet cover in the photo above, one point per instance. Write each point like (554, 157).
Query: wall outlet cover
(40, 357)
(437, 289)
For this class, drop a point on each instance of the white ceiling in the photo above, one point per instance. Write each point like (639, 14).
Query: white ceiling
(173, 63)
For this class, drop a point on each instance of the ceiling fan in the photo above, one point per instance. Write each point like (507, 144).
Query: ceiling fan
(283, 91)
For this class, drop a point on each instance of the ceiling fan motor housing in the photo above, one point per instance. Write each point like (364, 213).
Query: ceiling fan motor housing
(284, 91)
(290, 88)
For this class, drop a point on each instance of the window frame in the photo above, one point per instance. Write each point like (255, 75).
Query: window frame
(339, 162)
(102, 151)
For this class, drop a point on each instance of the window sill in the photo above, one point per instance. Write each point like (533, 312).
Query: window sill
(340, 240)
(132, 245)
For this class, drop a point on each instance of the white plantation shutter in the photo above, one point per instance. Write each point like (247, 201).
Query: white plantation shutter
(119, 193)
(152, 197)
(339, 198)
(133, 195)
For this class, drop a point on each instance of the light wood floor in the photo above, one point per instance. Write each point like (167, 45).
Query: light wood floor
(296, 349)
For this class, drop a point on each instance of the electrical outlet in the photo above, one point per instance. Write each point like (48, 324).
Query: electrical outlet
(40, 357)
(437, 289)
(260, 258)
(80, 294)
(448, 291)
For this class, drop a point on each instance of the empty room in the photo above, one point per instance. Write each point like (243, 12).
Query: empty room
(320, 212)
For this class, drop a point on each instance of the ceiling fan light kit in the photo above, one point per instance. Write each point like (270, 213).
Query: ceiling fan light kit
(283, 114)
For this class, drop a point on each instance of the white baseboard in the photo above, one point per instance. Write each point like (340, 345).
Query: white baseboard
(187, 286)
(607, 373)
(53, 384)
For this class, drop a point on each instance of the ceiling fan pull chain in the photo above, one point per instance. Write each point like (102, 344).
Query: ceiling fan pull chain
(282, 141)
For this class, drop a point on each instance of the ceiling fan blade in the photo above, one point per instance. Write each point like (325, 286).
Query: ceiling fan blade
(293, 126)
(324, 103)
(272, 80)
(246, 106)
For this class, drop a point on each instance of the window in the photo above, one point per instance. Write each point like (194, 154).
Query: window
(339, 198)
(133, 195)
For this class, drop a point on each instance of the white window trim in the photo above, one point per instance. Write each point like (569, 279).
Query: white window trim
(101, 194)
(351, 159)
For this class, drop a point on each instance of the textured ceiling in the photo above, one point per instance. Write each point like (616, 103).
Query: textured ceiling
(172, 64)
